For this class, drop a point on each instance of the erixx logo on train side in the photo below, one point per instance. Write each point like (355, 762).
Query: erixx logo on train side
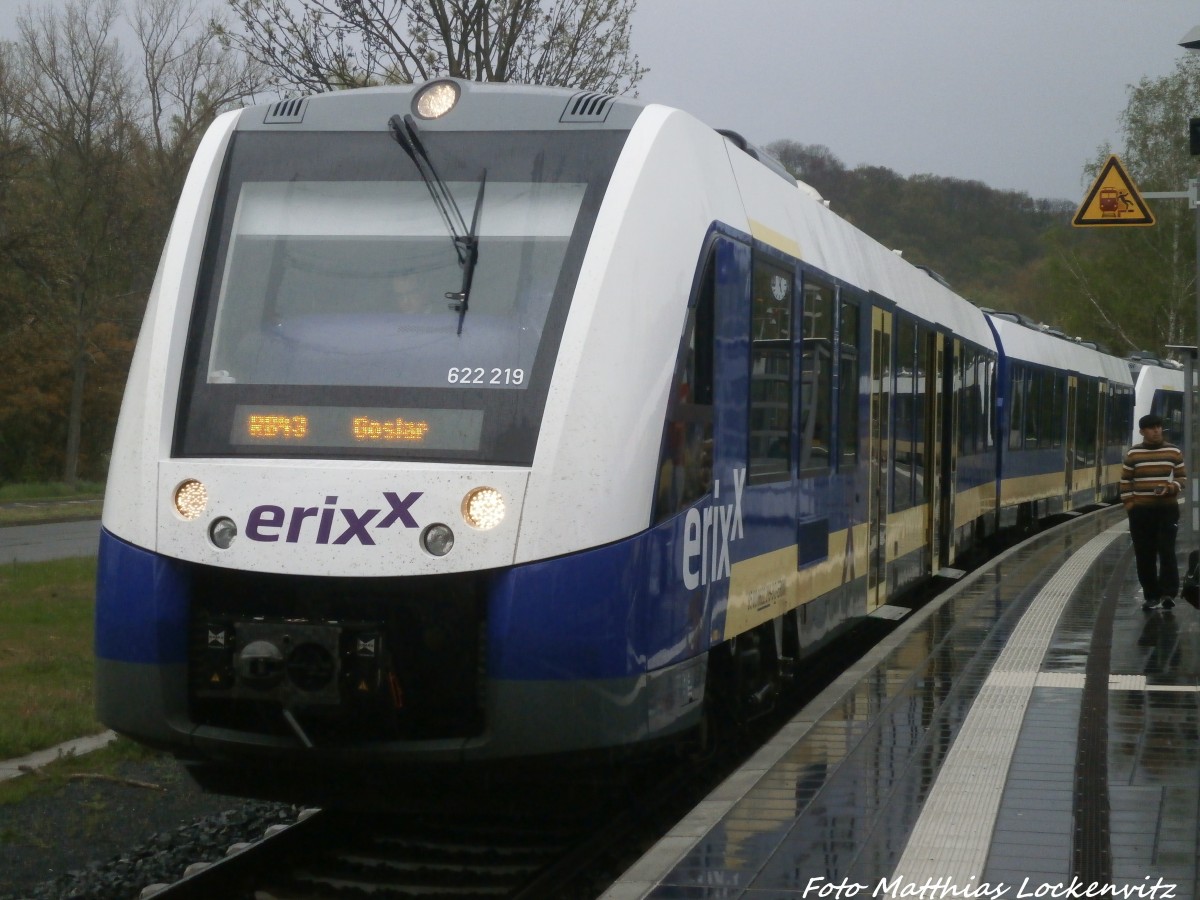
(707, 533)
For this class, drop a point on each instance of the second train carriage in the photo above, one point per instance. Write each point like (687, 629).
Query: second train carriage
(1064, 409)
(681, 424)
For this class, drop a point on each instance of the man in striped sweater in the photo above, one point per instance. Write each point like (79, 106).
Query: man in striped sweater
(1151, 481)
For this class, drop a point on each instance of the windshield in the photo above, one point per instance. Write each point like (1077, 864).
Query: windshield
(323, 301)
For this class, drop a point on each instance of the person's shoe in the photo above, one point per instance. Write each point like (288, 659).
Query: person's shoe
(1149, 604)
(1168, 602)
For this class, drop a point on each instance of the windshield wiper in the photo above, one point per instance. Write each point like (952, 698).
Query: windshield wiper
(466, 240)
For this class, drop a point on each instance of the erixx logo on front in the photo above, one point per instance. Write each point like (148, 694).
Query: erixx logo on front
(329, 524)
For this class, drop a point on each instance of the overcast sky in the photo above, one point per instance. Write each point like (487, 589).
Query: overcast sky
(1018, 94)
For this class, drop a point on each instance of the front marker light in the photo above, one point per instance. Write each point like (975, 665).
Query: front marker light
(191, 499)
(483, 508)
(437, 539)
(222, 531)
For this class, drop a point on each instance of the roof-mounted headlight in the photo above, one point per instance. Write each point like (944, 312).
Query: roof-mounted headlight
(436, 99)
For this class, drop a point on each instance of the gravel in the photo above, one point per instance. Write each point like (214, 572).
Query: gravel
(100, 839)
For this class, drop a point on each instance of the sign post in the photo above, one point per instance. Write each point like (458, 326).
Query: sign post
(1114, 200)
(1191, 399)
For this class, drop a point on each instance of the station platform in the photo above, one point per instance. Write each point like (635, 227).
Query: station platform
(1032, 732)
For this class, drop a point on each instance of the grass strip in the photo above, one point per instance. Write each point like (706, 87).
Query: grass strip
(46, 647)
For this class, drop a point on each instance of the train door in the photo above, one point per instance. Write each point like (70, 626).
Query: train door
(951, 374)
(1069, 440)
(930, 356)
(879, 464)
(1100, 444)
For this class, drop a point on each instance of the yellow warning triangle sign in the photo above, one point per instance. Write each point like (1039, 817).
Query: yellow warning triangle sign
(1113, 200)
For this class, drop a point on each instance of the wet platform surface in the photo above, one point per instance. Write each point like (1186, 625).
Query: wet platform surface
(1034, 733)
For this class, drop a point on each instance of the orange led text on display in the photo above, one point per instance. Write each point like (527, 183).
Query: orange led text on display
(368, 429)
(272, 427)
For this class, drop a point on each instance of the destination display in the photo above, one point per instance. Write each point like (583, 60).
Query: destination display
(347, 426)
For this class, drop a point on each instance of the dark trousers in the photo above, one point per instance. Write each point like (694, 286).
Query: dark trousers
(1153, 529)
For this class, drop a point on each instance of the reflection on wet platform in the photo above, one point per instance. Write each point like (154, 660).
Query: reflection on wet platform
(1099, 784)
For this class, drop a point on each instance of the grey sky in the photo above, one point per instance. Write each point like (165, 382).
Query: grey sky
(1018, 94)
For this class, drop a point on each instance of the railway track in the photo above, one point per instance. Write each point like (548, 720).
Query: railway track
(521, 842)
(539, 836)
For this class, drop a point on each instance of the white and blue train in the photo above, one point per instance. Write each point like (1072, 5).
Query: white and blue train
(472, 423)
(1158, 389)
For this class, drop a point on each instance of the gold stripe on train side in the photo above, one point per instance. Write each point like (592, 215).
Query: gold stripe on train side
(769, 585)
(760, 588)
(970, 504)
(907, 532)
(1027, 488)
(776, 239)
(1112, 473)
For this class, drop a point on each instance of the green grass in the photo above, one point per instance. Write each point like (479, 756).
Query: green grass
(26, 504)
(46, 629)
(53, 776)
(11, 493)
(46, 637)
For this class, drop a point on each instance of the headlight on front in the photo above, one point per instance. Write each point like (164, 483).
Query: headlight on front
(483, 508)
(191, 499)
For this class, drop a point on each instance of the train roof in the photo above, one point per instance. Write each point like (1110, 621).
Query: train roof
(1022, 342)
(478, 106)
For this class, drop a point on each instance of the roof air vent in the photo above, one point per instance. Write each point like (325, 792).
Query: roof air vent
(286, 112)
(587, 106)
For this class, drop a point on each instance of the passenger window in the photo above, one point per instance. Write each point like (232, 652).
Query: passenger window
(771, 373)
(685, 466)
(1016, 425)
(816, 381)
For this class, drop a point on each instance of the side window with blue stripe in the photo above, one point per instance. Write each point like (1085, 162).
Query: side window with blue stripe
(686, 460)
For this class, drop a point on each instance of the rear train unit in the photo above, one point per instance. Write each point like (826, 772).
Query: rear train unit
(1158, 389)
(475, 423)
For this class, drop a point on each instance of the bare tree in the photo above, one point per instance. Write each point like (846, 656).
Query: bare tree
(73, 99)
(91, 163)
(323, 45)
(190, 77)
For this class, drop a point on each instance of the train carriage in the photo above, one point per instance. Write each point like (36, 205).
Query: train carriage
(1063, 414)
(472, 423)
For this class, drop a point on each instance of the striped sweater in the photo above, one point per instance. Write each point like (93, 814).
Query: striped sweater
(1153, 475)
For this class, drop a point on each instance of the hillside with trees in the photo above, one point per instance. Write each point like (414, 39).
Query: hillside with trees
(1127, 288)
(985, 242)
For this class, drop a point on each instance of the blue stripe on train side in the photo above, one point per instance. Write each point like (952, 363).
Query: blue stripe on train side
(611, 612)
(141, 605)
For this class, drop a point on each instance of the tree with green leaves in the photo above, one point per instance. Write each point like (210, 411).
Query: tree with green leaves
(312, 46)
(980, 239)
(1136, 286)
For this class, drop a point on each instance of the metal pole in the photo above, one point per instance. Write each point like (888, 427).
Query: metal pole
(1191, 425)
(1193, 398)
